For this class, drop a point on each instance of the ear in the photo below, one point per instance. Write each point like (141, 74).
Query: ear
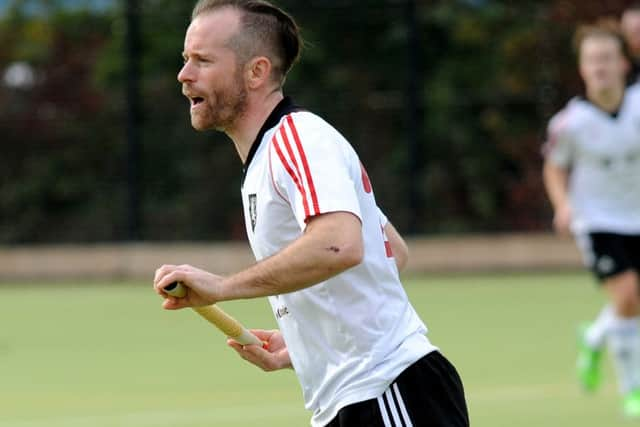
(258, 72)
(626, 66)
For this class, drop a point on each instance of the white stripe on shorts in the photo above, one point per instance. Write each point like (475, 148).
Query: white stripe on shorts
(383, 411)
(397, 412)
(392, 407)
(403, 409)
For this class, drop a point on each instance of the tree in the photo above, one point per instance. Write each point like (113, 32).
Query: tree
(492, 73)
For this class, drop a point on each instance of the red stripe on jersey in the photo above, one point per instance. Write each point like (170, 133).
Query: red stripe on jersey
(273, 182)
(305, 164)
(292, 175)
(366, 182)
(387, 247)
(287, 145)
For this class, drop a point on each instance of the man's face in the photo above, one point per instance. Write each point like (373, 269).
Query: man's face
(602, 63)
(631, 29)
(211, 77)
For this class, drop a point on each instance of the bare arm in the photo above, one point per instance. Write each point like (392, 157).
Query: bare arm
(331, 244)
(398, 246)
(556, 181)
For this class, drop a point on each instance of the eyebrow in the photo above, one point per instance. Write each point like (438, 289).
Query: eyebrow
(199, 54)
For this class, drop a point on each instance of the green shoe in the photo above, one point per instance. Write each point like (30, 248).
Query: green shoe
(631, 404)
(588, 366)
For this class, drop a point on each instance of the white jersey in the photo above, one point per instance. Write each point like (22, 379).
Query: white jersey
(602, 152)
(350, 336)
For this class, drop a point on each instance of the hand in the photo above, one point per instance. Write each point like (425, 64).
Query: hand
(562, 219)
(203, 288)
(275, 357)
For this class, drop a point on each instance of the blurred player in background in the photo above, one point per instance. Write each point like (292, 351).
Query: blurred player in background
(630, 23)
(328, 259)
(592, 176)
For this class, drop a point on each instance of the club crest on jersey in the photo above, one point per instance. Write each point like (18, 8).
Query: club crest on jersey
(253, 210)
(282, 311)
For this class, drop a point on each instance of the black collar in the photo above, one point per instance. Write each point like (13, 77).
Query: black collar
(284, 107)
(634, 76)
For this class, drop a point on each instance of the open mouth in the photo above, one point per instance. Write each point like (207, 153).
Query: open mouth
(196, 100)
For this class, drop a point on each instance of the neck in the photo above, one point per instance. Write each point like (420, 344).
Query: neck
(246, 128)
(609, 100)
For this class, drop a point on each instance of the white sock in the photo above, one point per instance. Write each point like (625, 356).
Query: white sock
(623, 341)
(597, 332)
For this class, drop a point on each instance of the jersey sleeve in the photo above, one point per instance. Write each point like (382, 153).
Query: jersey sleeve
(311, 169)
(559, 145)
(383, 218)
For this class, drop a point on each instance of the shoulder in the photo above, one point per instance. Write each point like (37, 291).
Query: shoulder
(633, 92)
(308, 122)
(635, 88)
(308, 130)
(560, 120)
(569, 117)
(306, 141)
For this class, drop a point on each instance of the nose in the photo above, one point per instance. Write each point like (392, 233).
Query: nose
(186, 73)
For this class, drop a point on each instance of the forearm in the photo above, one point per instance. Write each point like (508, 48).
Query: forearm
(556, 183)
(398, 246)
(311, 259)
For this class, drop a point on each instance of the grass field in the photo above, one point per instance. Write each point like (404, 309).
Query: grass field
(106, 355)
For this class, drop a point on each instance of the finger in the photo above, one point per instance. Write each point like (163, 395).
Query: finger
(185, 267)
(157, 275)
(259, 360)
(160, 275)
(162, 271)
(259, 352)
(241, 353)
(233, 343)
(236, 345)
(173, 303)
(166, 280)
(241, 350)
(259, 356)
(262, 333)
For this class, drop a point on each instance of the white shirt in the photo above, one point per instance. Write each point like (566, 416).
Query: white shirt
(602, 153)
(350, 336)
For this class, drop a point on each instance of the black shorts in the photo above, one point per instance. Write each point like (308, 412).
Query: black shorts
(428, 393)
(609, 254)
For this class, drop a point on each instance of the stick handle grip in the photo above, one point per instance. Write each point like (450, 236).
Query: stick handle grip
(216, 316)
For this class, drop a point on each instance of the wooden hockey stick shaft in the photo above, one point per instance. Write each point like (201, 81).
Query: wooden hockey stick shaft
(216, 316)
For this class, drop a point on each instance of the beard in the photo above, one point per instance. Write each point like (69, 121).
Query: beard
(222, 108)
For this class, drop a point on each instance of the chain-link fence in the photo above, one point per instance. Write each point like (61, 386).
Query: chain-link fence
(446, 102)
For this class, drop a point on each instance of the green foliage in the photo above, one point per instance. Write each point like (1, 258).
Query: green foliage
(491, 74)
(480, 100)
(59, 164)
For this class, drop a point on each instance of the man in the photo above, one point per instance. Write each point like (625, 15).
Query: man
(325, 252)
(630, 24)
(592, 176)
